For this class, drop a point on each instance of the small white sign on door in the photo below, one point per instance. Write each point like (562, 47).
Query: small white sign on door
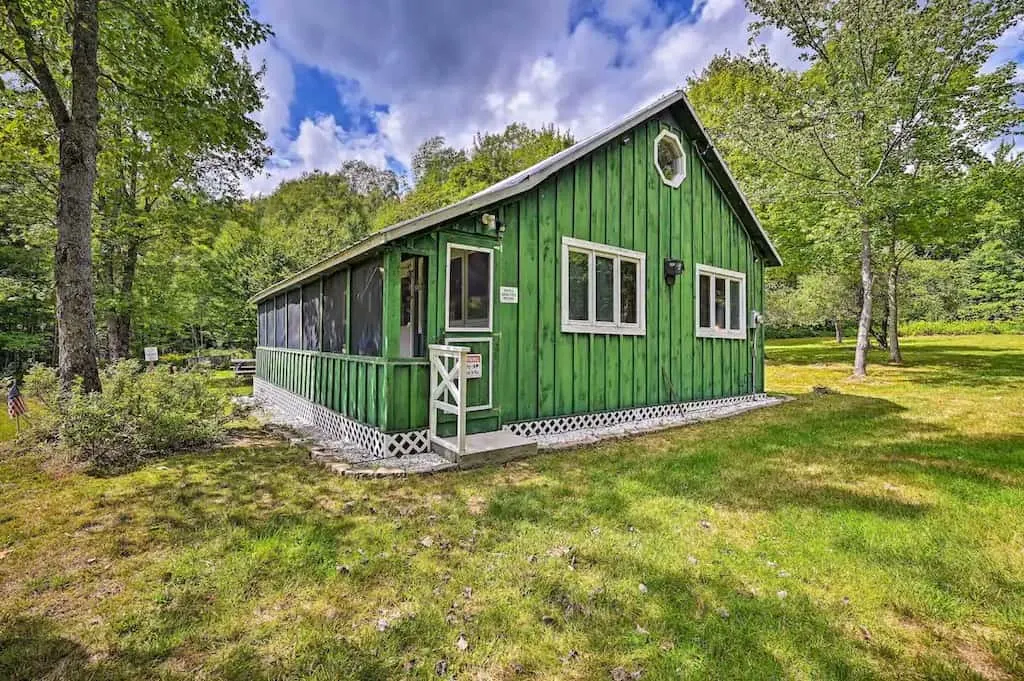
(474, 366)
(151, 354)
(508, 294)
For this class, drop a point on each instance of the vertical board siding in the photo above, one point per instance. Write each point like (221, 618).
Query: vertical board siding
(612, 196)
(352, 387)
(615, 196)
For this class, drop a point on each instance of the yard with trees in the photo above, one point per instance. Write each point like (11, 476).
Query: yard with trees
(869, 528)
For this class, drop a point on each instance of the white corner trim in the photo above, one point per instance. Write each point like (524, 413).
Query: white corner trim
(678, 178)
(728, 334)
(465, 284)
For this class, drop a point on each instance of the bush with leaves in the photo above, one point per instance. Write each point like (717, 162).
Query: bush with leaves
(138, 414)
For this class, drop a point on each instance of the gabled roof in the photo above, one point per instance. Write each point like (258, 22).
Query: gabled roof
(527, 179)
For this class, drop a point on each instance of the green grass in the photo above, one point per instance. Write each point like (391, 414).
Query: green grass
(872, 533)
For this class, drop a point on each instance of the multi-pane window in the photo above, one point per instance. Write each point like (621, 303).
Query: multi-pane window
(721, 303)
(602, 288)
(469, 288)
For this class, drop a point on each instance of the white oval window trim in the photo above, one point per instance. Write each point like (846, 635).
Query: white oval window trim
(679, 164)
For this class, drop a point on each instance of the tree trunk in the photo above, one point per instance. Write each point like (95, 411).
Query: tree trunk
(119, 318)
(839, 329)
(76, 321)
(892, 285)
(867, 280)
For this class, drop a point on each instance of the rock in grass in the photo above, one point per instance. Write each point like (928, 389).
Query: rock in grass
(461, 643)
(643, 588)
(441, 668)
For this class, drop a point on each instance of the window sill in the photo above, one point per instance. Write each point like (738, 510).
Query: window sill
(725, 335)
(603, 330)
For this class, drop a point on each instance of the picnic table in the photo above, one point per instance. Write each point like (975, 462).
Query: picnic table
(244, 367)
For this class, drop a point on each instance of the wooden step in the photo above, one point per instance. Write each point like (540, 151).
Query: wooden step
(495, 447)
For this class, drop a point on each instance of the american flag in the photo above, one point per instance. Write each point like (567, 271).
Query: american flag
(15, 402)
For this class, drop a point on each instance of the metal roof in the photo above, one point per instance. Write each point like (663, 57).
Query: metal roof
(529, 178)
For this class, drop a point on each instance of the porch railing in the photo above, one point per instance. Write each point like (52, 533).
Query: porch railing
(448, 393)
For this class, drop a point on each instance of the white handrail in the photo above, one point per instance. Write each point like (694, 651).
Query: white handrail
(448, 393)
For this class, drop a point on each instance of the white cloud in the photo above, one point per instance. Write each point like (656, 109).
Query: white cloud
(278, 83)
(321, 144)
(463, 66)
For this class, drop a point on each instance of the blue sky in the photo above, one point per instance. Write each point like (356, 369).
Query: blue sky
(371, 79)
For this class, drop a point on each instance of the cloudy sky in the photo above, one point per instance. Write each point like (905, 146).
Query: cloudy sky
(371, 79)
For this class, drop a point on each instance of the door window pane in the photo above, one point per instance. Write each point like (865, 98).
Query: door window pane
(719, 303)
(604, 274)
(469, 289)
(478, 289)
(413, 331)
(627, 284)
(367, 295)
(705, 301)
(734, 305)
(579, 283)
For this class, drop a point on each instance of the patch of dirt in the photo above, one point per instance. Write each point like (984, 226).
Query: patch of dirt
(981, 661)
(476, 505)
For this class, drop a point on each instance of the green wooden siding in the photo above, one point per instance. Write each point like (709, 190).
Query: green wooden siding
(382, 393)
(613, 196)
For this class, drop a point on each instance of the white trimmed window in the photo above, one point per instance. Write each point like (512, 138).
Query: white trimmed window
(721, 303)
(602, 289)
(669, 158)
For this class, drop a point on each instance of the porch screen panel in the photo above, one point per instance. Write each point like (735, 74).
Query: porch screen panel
(367, 297)
(311, 316)
(294, 319)
(334, 312)
(262, 323)
(280, 322)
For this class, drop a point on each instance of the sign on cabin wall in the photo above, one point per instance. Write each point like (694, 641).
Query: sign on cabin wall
(151, 354)
(474, 366)
(508, 294)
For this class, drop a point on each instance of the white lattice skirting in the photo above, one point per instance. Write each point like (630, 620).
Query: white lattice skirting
(376, 443)
(380, 445)
(566, 424)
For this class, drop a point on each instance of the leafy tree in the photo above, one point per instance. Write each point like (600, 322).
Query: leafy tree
(888, 86)
(444, 175)
(151, 54)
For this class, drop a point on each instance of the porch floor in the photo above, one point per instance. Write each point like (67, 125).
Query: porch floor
(495, 447)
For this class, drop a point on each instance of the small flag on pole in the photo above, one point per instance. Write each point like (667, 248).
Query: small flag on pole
(15, 402)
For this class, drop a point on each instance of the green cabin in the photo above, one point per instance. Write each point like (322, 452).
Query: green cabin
(615, 281)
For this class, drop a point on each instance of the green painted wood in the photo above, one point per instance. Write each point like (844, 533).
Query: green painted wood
(547, 288)
(655, 323)
(527, 405)
(641, 164)
(563, 368)
(580, 344)
(598, 343)
(627, 343)
(507, 315)
(613, 196)
(609, 369)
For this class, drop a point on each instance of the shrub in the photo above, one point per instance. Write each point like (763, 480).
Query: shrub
(960, 328)
(138, 414)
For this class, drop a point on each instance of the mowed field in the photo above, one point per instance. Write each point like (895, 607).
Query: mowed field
(876, 532)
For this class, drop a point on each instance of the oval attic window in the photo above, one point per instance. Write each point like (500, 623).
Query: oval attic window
(669, 158)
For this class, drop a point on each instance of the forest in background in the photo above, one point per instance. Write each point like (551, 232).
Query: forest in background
(875, 170)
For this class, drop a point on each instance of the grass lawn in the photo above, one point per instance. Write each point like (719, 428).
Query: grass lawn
(873, 533)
